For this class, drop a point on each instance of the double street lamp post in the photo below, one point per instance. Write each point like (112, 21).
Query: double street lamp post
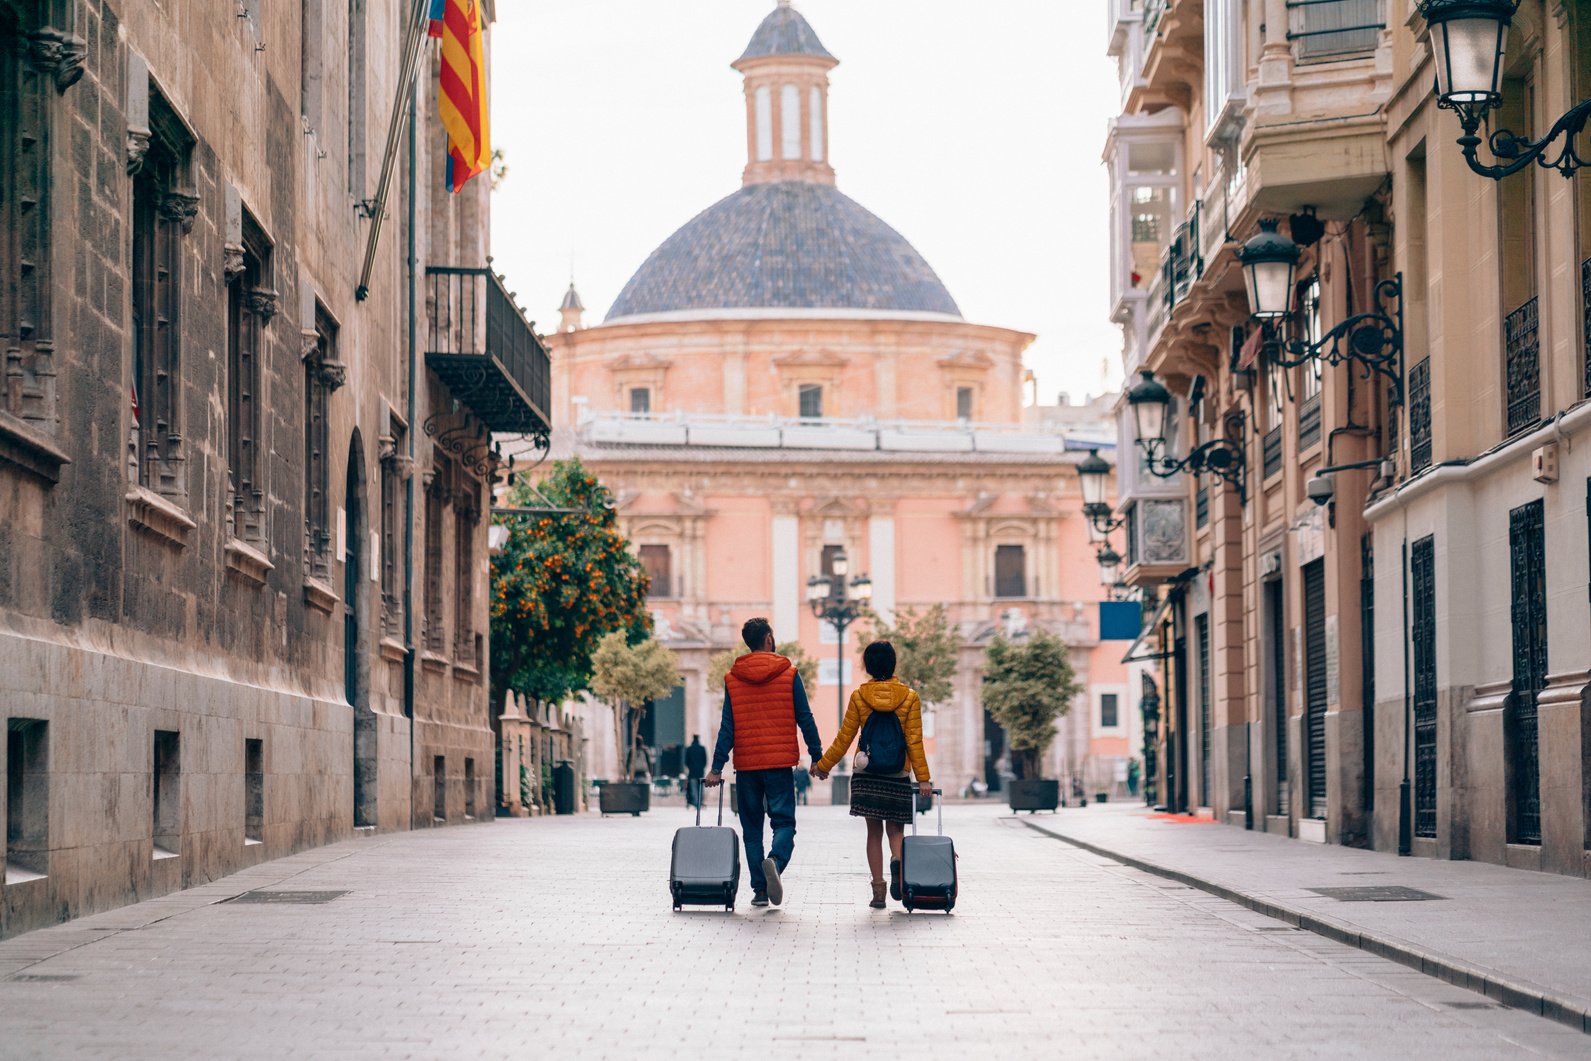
(832, 604)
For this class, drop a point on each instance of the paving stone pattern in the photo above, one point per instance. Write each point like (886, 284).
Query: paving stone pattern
(1507, 932)
(554, 938)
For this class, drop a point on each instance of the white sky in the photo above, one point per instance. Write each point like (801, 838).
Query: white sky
(975, 129)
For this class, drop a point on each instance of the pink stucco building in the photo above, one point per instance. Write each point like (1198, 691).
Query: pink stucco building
(785, 378)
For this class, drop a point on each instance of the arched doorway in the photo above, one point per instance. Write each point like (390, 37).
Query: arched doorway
(356, 662)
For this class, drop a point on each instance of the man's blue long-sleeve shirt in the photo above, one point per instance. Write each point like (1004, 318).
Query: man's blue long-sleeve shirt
(803, 717)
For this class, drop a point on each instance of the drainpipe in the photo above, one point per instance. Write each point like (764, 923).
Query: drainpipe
(1405, 807)
(408, 485)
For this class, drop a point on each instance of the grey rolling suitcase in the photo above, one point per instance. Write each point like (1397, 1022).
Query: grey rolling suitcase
(928, 868)
(706, 867)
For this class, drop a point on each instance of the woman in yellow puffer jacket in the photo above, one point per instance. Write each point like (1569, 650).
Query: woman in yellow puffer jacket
(884, 800)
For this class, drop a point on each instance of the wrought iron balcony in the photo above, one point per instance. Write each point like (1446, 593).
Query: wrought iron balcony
(480, 344)
(1523, 346)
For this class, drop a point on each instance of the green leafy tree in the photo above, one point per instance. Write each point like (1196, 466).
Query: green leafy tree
(1027, 687)
(627, 677)
(718, 666)
(925, 649)
(562, 581)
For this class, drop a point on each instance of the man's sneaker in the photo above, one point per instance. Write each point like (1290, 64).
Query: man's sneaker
(759, 898)
(770, 870)
(894, 879)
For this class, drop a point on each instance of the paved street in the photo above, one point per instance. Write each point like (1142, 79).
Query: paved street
(1497, 929)
(533, 938)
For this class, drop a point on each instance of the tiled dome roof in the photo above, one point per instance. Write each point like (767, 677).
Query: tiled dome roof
(789, 245)
(784, 32)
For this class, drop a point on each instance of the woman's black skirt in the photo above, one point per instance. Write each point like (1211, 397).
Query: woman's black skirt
(889, 798)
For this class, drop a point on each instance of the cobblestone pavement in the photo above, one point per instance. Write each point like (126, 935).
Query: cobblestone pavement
(554, 937)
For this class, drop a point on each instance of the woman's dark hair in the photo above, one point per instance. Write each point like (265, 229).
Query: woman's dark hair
(879, 659)
(755, 633)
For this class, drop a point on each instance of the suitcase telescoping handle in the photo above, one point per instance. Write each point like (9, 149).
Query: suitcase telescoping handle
(720, 787)
(938, 802)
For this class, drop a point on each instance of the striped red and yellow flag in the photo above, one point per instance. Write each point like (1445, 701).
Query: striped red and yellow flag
(463, 95)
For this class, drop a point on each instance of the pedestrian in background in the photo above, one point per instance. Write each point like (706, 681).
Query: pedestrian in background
(881, 791)
(765, 714)
(695, 770)
(803, 782)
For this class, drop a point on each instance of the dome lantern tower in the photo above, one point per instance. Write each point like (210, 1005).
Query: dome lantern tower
(786, 72)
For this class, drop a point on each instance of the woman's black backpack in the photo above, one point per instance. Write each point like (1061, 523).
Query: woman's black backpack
(882, 744)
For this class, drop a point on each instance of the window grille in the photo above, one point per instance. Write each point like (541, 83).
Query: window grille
(1422, 575)
(1420, 416)
(1523, 343)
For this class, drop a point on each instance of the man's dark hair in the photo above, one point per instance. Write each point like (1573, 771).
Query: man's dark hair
(755, 633)
(879, 659)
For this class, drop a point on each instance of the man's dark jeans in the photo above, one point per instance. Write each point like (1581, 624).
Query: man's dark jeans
(772, 791)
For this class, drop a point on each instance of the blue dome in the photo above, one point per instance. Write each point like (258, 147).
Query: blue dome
(788, 245)
(784, 32)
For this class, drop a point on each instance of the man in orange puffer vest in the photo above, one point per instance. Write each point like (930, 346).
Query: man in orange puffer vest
(764, 705)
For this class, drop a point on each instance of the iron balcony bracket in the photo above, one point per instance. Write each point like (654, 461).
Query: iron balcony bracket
(1221, 457)
(1515, 152)
(1372, 340)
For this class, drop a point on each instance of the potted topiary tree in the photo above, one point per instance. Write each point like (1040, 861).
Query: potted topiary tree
(628, 677)
(1027, 687)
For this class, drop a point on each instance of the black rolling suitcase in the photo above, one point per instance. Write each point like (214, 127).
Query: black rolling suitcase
(706, 867)
(928, 868)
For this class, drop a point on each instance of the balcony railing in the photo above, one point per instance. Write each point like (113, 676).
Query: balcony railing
(1154, 11)
(1420, 416)
(1333, 29)
(1522, 339)
(480, 344)
(1180, 265)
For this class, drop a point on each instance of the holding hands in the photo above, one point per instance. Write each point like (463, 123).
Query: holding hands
(821, 775)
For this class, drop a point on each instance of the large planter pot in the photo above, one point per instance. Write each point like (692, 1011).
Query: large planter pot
(625, 797)
(1034, 795)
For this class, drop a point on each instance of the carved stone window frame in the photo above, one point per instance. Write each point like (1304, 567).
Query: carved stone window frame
(164, 211)
(38, 62)
(324, 373)
(251, 306)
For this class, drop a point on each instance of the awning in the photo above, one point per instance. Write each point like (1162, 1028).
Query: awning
(1150, 627)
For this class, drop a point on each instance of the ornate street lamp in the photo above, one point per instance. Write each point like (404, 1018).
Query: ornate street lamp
(1468, 42)
(1109, 567)
(1093, 475)
(1270, 262)
(830, 603)
(1220, 457)
(1373, 340)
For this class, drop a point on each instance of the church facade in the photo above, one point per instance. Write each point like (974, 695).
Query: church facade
(785, 381)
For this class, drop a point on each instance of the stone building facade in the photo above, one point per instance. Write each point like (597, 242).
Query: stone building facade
(242, 546)
(785, 380)
(1404, 666)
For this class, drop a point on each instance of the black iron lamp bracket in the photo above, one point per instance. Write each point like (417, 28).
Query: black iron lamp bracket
(1372, 340)
(1099, 516)
(1223, 458)
(1514, 152)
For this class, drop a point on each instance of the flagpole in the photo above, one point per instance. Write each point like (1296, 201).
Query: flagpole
(376, 209)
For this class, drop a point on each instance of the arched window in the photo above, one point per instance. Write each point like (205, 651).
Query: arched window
(815, 121)
(790, 122)
(764, 123)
